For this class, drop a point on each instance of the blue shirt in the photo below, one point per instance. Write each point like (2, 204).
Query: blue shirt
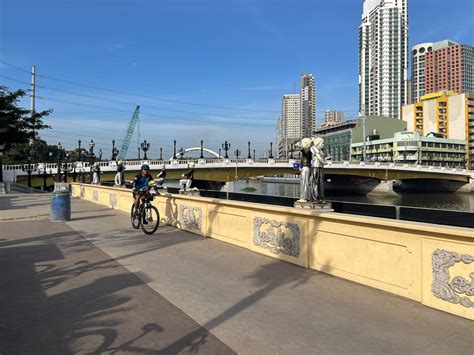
(141, 181)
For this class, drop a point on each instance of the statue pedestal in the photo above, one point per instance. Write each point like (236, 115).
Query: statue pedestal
(314, 205)
(191, 192)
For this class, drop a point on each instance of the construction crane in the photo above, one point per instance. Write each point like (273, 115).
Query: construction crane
(127, 137)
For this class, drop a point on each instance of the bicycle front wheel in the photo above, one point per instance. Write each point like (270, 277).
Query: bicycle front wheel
(150, 220)
(134, 218)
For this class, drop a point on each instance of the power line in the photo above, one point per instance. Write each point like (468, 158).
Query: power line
(149, 97)
(205, 120)
(143, 96)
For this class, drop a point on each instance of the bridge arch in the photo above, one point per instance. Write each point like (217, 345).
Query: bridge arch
(196, 149)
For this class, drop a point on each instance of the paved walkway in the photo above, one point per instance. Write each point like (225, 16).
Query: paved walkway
(94, 285)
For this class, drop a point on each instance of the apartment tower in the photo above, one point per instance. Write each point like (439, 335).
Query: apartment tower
(307, 105)
(418, 69)
(383, 57)
(449, 66)
(289, 124)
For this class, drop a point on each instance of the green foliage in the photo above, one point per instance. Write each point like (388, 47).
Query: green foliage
(38, 150)
(18, 127)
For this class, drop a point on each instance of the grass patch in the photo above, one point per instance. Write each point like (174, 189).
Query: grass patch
(248, 189)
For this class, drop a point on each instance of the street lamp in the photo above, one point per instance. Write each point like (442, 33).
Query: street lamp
(249, 156)
(237, 153)
(66, 169)
(91, 157)
(220, 152)
(145, 147)
(161, 153)
(202, 150)
(29, 168)
(115, 150)
(100, 154)
(226, 147)
(44, 175)
(174, 149)
(270, 155)
(254, 154)
(60, 149)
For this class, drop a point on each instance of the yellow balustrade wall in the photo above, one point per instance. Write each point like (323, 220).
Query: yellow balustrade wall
(424, 262)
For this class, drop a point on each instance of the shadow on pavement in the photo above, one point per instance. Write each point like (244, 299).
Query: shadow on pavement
(62, 295)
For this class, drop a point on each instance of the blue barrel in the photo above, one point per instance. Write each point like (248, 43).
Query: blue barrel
(60, 206)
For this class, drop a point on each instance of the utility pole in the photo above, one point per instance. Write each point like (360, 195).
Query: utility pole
(33, 97)
(364, 147)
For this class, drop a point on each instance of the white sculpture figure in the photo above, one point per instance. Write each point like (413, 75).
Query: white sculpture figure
(96, 174)
(160, 178)
(119, 177)
(317, 169)
(187, 180)
(305, 146)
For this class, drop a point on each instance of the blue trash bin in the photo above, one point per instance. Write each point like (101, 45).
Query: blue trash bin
(60, 206)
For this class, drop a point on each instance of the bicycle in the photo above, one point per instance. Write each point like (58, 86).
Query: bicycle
(148, 217)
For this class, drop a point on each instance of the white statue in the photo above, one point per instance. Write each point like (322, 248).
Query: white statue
(119, 177)
(96, 174)
(187, 179)
(317, 169)
(305, 176)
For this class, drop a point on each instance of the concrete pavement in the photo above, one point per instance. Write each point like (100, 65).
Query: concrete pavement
(96, 285)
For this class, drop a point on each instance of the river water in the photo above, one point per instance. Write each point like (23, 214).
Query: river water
(441, 200)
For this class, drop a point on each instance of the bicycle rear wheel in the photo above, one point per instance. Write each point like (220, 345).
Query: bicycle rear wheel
(134, 218)
(152, 217)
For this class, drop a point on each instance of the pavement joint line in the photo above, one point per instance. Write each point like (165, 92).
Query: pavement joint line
(38, 217)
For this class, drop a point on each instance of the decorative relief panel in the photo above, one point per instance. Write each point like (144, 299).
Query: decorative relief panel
(190, 217)
(113, 200)
(95, 195)
(277, 237)
(457, 289)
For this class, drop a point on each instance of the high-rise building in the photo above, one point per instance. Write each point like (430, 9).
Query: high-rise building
(307, 104)
(418, 77)
(383, 57)
(449, 66)
(289, 125)
(445, 114)
(332, 117)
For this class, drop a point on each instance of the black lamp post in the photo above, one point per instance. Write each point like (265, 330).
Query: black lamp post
(60, 150)
(2, 148)
(237, 153)
(254, 154)
(66, 169)
(249, 156)
(174, 149)
(220, 153)
(44, 174)
(145, 147)
(202, 150)
(270, 155)
(91, 157)
(29, 168)
(115, 150)
(100, 154)
(226, 147)
(161, 153)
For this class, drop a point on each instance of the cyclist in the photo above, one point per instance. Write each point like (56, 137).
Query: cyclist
(140, 181)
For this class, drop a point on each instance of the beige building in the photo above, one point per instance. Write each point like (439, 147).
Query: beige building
(307, 104)
(288, 125)
(446, 114)
(332, 117)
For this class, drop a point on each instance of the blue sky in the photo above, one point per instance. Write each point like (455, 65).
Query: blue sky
(187, 61)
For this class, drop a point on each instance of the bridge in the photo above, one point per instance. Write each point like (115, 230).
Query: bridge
(339, 175)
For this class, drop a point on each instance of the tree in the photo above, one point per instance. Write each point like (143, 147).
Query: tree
(18, 125)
